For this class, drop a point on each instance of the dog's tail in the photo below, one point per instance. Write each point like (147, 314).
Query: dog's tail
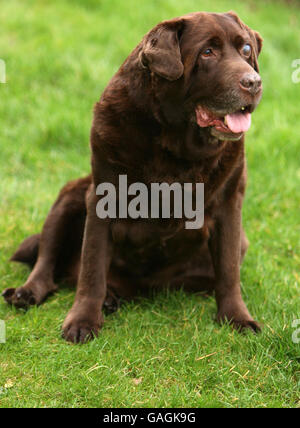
(28, 251)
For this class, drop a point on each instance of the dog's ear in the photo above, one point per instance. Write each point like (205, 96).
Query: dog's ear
(255, 37)
(258, 41)
(161, 51)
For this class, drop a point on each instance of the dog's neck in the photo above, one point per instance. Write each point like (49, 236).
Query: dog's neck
(190, 142)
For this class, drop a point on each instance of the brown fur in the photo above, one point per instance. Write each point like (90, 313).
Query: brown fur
(144, 126)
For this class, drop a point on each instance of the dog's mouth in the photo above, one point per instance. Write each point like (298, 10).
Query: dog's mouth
(232, 125)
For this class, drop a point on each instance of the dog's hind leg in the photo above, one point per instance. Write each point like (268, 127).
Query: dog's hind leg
(54, 249)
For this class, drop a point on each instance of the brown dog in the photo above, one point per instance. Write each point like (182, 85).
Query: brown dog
(175, 112)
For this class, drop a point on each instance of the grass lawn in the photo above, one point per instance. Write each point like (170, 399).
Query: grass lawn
(167, 351)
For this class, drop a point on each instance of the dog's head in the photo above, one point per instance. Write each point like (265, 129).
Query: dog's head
(204, 67)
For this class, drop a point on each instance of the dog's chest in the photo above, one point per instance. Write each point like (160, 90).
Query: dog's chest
(214, 171)
(147, 243)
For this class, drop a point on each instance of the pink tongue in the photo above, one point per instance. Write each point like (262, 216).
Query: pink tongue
(238, 122)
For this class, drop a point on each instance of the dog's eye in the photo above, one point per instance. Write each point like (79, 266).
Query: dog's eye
(207, 52)
(247, 50)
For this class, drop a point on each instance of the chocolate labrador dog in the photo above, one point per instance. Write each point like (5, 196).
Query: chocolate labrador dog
(175, 112)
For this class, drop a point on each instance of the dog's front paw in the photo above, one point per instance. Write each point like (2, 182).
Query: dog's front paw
(80, 331)
(243, 324)
(237, 314)
(80, 328)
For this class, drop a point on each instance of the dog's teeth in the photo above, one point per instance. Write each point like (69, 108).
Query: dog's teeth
(225, 120)
(243, 108)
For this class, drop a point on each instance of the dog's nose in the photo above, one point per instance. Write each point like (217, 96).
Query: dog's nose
(251, 82)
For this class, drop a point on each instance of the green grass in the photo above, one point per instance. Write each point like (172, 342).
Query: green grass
(59, 56)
